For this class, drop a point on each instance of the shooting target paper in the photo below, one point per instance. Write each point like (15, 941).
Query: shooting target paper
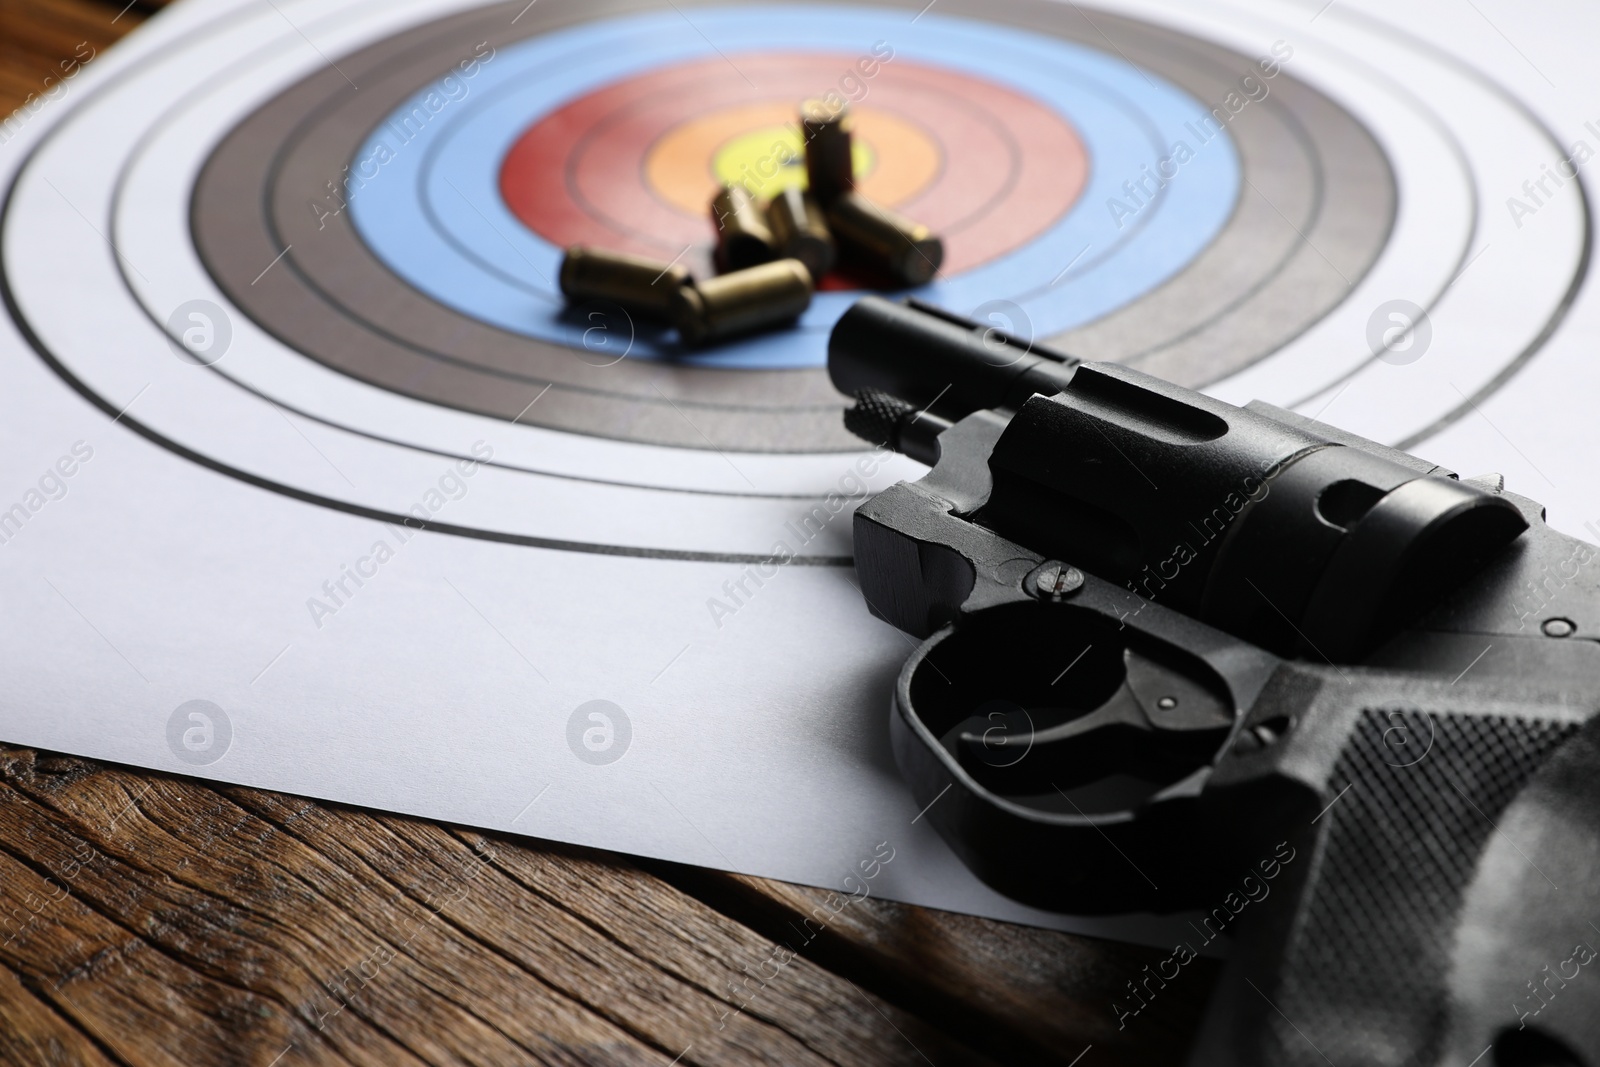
(279, 290)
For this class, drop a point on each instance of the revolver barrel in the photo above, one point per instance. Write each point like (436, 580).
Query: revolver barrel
(932, 359)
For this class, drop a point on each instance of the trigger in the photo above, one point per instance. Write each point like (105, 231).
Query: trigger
(1171, 700)
(1156, 718)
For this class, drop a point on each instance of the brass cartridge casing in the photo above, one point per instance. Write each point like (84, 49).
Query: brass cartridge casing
(885, 239)
(638, 284)
(743, 239)
(742, 300)
(830, 168)
(800, 231)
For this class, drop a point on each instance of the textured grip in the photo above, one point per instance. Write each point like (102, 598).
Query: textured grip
(876, 417)
(1364, 973)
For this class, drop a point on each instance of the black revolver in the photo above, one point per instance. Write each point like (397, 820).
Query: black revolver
(1183, 656)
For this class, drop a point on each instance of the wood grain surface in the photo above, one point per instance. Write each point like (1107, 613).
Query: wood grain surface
(148, 919)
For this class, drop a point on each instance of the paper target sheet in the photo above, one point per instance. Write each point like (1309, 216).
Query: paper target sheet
(279, 285)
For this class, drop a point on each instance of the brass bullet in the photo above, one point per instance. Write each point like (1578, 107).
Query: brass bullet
(743, 239)
(742, 300)
(636, 283)
(830, 167)
(799, 230)
(875, 236)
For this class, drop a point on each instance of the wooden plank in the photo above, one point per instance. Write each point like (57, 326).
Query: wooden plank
(38, 36)
(32, 1032)
(1017, 993)
(51, 30)
(153, 920)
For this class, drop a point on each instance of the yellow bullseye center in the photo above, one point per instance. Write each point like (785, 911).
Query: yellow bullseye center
(895, 159)
(768, 160)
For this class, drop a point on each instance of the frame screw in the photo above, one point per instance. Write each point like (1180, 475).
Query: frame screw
(1055, 581)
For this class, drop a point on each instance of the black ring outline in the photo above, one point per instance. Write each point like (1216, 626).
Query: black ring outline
(8, 297)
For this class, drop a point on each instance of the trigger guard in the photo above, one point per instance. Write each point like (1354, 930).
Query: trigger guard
(1056, 859)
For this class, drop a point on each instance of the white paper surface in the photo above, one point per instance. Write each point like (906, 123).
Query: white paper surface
(443, 683)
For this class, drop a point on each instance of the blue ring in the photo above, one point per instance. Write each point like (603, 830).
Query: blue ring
(433, 214)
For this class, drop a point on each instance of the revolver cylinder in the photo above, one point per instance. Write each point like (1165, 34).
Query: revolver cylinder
(1290, 534)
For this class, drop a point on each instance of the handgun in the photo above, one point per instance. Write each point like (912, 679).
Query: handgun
(1327, 701)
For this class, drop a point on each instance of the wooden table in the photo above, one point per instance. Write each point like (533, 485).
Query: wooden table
(156, 920)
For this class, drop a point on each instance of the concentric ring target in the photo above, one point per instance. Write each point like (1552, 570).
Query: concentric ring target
(435, 221)
(1351, 177)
